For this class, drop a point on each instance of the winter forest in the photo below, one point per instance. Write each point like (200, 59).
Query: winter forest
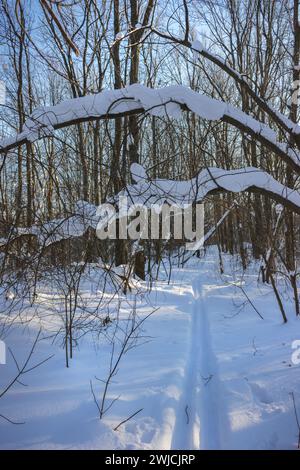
(149, 224)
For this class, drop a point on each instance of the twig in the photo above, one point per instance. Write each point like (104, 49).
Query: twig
(11, 421)
(256, 351)
(249, 300)
(125, 420)
(206, 380)
(187, 414)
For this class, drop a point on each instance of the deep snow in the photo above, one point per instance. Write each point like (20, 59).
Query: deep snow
(208, 373)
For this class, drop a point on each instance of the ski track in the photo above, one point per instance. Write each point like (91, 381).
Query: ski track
(199, 418)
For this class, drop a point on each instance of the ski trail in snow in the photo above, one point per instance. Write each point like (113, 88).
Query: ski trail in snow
(209, 406)
(199, 419)
(186, 433)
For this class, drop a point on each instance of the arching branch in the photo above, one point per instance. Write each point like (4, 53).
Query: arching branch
(281, 120)
(169, 101)
(158, 192)
(208, 181)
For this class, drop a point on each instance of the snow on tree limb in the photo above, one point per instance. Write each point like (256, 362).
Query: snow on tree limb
(197, 47)
(169, 101)
(162, 191)
(282, 120)
(208, 181)
(55, 230)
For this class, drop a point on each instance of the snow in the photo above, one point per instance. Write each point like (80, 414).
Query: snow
(84, 217)
(120, 35)
(209, 373)
(182, 193)
(197, 45)
(198, 48)
(153, 194)
(294, 127)
(138, 172)
(168, 101)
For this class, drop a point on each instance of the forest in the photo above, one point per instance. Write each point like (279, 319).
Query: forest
(188, 110)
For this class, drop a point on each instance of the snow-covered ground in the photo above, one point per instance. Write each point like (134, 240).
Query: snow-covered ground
(207, 372)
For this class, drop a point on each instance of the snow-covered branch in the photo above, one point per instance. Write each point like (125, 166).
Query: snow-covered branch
(197, 47)
(76, 225)
(157, 192)
(169, 101)
(208, 181)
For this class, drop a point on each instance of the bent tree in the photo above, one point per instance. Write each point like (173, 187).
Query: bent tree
(170, 102)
